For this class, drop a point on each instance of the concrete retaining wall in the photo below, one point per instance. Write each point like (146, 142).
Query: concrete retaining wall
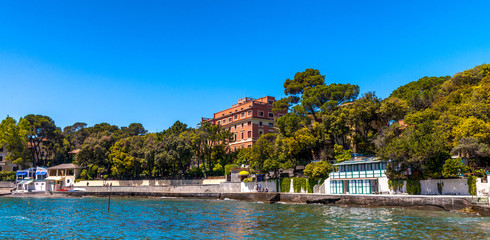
(157, 189)
(250, 186)
(446, 203)
(417, 202)
(230, 187)
(7, 184)
(134, 183)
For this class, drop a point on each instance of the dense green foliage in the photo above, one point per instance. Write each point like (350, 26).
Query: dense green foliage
(229, 167)
(448, 115)
(310, 184)
(472, 185)
(298, 184)
(7, 176)
(285, 185)
(453, 168)
(440, 186)
(413, 187)
(396, 184)
(318, 170)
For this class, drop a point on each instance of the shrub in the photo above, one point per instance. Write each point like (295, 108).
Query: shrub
(7, 176)
(285, 185)
(298, 184)
(413, 187)
(218, 170)
(310, 184)
(439, 187)
(472, 185)
(318, 170)
(453, 168)
(480, 173)
(195, 172)
(250, 179)
(229, 167)
(396, 184)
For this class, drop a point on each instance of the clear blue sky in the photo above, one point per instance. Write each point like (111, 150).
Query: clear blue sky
(155, 62)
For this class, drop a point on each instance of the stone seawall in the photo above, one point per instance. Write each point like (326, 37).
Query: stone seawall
(415, 202)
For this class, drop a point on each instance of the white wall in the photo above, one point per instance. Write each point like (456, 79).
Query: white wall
(482, 189)
(383, 185)
(326, 186)
(250, 186)
(134, 183)
(451, 187)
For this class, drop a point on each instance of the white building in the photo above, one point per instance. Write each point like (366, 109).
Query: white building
(358, 176)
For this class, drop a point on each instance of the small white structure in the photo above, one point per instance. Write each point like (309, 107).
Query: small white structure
(31, 180)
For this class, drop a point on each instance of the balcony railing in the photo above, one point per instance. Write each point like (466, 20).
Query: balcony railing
(358, 174)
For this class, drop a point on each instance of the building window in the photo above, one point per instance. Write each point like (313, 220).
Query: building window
(1, 158)
(260, 124)
(249, 146)
(242, 134)
(271, 124)
(234, 137)
(242, 125)
(271, 115)
(218, 123)
(260, 133)
(261, 113)
(229, 119)
(249, 134)
(280, 114)
(224, 121)
(271, 102)
(236, 117)
(249, 113)
(242, 115)
(249, 123)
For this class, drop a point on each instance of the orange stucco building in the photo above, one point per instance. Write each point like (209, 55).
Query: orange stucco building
(247, 120)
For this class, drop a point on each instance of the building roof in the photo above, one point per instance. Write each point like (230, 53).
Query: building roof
(360, 161)
(74, 151)
(66, 166)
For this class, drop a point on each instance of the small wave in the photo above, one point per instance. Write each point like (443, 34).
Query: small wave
(169, 197)
(19, 218)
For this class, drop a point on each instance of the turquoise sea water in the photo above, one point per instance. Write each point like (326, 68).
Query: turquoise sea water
(164, 218)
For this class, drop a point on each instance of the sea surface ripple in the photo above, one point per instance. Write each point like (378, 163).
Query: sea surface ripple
(167, 218)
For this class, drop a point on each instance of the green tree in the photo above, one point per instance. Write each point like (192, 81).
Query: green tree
(318, 170)
(421, 93)
(342, 155)
(13, 138)
(453, 167)
(41, 133)
(301, 81)
(327, 97)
